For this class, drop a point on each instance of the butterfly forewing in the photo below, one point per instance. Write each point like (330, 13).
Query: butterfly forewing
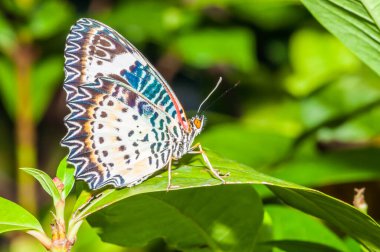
(94, 50)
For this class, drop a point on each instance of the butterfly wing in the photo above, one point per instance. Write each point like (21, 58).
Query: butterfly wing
(116, 136)
(94, 50)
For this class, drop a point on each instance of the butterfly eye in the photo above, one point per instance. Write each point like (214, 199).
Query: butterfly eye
(197, 123)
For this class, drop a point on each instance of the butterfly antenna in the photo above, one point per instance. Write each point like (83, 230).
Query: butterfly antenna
(224, 93)
(216, 86)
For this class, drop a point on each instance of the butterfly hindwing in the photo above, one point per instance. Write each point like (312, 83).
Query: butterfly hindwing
(95, 50)
(116, 136)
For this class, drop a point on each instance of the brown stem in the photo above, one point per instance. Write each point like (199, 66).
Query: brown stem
(60, 240)
(25, 127)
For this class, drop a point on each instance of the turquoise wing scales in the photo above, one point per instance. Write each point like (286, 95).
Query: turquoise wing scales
(94, 50)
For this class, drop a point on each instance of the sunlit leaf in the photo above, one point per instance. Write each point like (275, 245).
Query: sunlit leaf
(355, 23)
(282, 117)
(45, 181)
(7, 35)
(292, 225)
(192, 173)
(90, 241)
(312, 167)
(356, 93)
(341, 215)
(163, 19)
(317, 58)
(218, 218)
(42, 25)
(209, 47)
(226, 139)
(353, 245)
(265, 233)
(65, 173)
(14, 217)
(363, 129)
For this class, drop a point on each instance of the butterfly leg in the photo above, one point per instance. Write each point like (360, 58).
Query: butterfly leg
(169, 175)
(205, 158)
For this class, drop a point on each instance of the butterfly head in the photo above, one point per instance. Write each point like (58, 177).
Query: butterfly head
(197, 123)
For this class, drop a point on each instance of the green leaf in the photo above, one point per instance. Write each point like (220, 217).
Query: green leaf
(14, 7)
(7, 35)
(219, 218)
(163, 19)
(265, 233)
(89, 241)
(209, 47)
(353, 245)
(192, 173)
(341, 215)
(317, 58)
(356, 94)
(290, 245)
(327, 168)
(355, 23)
(226, 139)
(42, 25)
(292, 225)
(14, 217)
(65, 173)
(270, 15)
(278, 116)
(373, 8)
(45, 181)
(204, 4)
(7, 85)
(46, 77)
(363, 128)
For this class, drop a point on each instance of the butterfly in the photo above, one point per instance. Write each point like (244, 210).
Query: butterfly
(125, 122)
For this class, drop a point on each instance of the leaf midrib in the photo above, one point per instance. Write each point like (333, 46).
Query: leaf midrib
(365, 4)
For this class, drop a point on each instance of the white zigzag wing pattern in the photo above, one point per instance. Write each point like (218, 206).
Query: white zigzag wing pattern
(121, 138)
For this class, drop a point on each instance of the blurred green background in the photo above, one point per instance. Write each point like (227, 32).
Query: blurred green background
(306, 110)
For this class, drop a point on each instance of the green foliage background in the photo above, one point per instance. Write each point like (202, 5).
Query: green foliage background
(306, 111)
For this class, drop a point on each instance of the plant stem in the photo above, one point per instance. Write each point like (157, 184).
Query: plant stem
(73, 230)
(25, 128)
(59, 239)
(45, 241)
